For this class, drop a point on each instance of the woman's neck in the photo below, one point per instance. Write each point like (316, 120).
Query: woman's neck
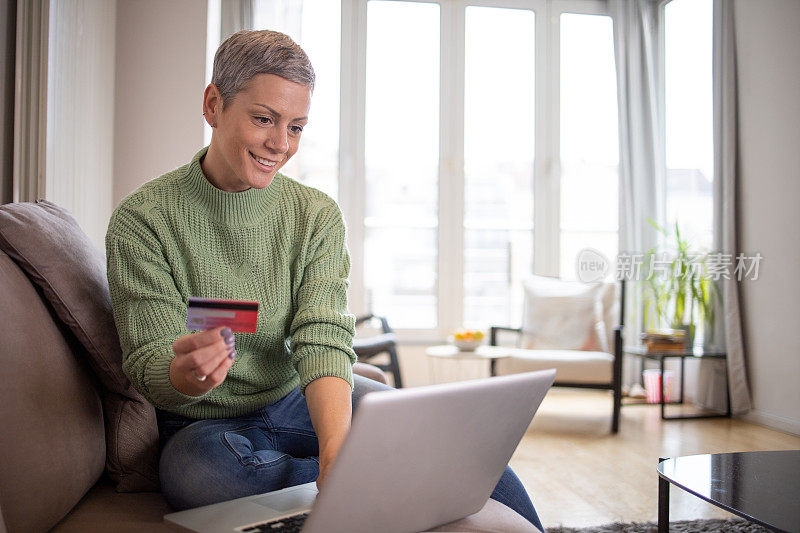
(214, 167)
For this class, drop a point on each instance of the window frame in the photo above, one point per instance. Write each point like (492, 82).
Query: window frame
(546, 233)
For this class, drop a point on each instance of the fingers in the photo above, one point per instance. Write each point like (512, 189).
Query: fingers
(206, 360)
(205, 366)
(194, 341)
(219, 374)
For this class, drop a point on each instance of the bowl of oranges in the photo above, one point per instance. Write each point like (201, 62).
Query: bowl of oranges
(466, 340)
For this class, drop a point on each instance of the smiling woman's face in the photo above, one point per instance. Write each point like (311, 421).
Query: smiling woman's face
(256, 133)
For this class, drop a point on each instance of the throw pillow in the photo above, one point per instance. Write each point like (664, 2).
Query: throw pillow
(563, 315)
(49, 245)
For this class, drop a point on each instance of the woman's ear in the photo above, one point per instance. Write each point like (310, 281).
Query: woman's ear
(212, 104)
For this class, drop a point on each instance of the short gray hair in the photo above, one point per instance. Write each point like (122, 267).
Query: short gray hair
(246, 53)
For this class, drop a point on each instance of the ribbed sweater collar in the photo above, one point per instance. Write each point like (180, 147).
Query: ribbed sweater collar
(235, 208)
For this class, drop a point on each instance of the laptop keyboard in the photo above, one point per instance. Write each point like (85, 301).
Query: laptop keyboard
(290, 524)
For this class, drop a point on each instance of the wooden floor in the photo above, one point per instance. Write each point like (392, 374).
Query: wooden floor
(578, 474)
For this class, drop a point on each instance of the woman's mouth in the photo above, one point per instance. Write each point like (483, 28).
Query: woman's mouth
(264, 164)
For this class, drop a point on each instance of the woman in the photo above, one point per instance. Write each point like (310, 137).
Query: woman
(253, 412)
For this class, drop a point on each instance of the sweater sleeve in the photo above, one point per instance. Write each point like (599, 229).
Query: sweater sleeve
(149, 313)
(322, 330)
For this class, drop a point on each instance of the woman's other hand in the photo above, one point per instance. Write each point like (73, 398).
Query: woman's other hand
(202, 360)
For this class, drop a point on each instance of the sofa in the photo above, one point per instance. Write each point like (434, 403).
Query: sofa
(79, 444)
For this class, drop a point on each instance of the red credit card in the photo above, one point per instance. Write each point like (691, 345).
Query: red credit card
(209, 313)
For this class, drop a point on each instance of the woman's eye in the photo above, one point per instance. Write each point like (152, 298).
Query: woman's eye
(297, 130)
(264, 120)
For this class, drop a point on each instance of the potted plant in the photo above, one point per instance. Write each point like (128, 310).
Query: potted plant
(681, 294)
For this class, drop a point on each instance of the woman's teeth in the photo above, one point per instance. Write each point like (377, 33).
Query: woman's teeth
(265, 162)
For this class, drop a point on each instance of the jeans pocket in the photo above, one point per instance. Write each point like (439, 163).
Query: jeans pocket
(252, 447)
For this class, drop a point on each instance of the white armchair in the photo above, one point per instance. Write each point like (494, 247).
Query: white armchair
(573, 327)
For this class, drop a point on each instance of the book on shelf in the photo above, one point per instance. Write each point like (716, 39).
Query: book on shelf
(656, 346)
(677, 336)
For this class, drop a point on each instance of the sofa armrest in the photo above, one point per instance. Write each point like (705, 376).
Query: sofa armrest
(369, 371)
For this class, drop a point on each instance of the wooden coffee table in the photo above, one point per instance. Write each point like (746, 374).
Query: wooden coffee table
(763, 487)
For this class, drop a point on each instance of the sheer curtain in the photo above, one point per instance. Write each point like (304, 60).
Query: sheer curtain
(728, 326)
(235, 15)
(641, 159)
(642, 169)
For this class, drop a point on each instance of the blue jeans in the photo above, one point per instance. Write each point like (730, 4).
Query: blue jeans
(213, 460)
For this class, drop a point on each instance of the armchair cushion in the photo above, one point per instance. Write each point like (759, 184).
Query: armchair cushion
(563, 315)
(572, 366)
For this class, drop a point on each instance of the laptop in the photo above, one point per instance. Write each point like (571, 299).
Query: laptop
(414, 459)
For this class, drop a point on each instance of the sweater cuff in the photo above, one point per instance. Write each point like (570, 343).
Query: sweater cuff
(163, 392)
(325, 363)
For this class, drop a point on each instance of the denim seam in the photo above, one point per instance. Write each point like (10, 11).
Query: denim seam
(267, 421)
(295, 432)
(280, 459)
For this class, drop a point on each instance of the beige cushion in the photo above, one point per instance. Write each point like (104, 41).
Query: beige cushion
(572, 366)
(494, 517)
(563, 315)
(103, 510)
(47, 243)
(52, 444)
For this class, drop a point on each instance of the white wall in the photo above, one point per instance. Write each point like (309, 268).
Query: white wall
(80, 111)
(768, 48)
(160, 57)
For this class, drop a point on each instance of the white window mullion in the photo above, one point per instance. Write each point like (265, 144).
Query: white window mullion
(451, 169)
(351, 145)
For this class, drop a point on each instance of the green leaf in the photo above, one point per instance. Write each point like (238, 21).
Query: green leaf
(656, 226)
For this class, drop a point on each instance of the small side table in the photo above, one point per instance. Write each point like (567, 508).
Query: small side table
(488, 353)
(697, 353)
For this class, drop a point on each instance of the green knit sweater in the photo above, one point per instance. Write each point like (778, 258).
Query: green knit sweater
(284, 246)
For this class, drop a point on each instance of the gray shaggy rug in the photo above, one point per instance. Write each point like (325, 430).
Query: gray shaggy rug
(734, 525)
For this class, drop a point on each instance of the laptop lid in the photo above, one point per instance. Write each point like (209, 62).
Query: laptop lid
(420, 457)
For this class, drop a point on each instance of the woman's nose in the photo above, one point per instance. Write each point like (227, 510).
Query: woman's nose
(278, 140)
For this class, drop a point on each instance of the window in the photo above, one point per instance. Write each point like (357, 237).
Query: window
(468, 142)
(402, 160)
(313, 24)
(589, 139)
(488, 151)
(688, 118)
(499, 152)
